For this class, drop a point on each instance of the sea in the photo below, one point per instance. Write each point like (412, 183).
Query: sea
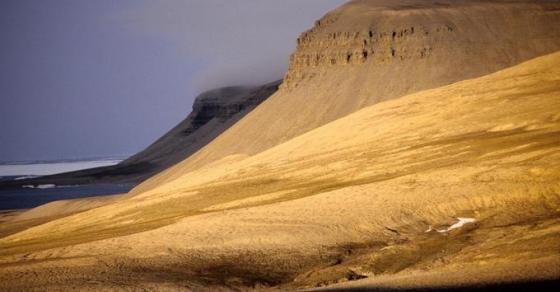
(30, 196)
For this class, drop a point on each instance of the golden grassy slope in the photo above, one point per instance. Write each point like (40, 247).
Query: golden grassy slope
(351, 199)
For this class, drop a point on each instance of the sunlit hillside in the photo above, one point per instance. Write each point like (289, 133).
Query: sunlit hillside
(376, 194)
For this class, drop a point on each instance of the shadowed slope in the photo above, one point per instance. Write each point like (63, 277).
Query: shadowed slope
(374, 194)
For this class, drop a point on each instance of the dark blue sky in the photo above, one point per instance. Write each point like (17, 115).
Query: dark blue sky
(82, 78)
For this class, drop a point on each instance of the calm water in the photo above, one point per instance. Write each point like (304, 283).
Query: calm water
(29, 198)
(32, 197)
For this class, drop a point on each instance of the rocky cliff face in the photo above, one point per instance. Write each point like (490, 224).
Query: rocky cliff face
(213, 112)
(342, 48)
(440, 33)
(224, 103)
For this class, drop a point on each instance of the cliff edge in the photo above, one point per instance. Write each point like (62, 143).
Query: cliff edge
(213, 112)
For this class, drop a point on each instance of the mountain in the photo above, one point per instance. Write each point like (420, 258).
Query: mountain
(400, 169)
(377, 194)
(213, 112)
(374, 50)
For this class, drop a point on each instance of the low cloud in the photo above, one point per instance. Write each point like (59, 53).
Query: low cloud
(238, 42)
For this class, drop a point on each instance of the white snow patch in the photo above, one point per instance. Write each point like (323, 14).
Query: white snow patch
(47, 168)
(25, 177)
(462, 221)
(45, 186)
